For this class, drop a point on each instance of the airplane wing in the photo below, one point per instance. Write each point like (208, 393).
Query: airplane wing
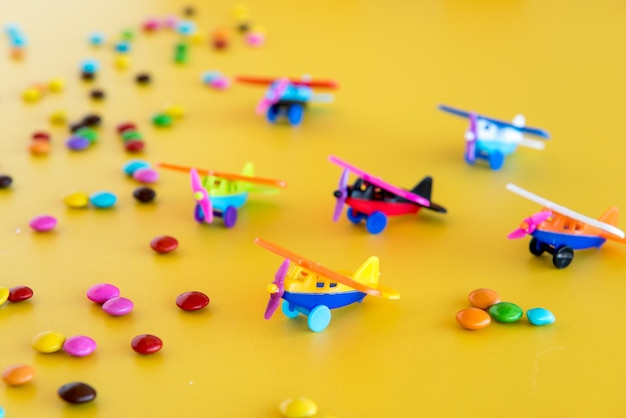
(236, 177)
(565, 211)
(315, 267)
(265, 81)
(524, 129)
(380, 183)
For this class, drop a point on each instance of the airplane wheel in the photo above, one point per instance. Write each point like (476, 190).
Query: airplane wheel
(319, 318)
(496, 159)
(295, 114)
(354, 216)
(198, 214)
(230, 216)
(563, 257)
(272, 113)
(536, 247)
(289, 313)
(376, 222)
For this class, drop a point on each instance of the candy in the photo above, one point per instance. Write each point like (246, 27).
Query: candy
(298, 408)
(150, 24)
(96, 38)
(77, 392)
(96, 94)
(118, 306)
(134, 146)
(103, 200)
(164, 244)
(31, 95)
(483, 298)
(5, 181)
(146, 344)
(185, 27)
(162, 119)
(125, 126)
(79, 346)
(18, 374)
(130, 136)
(43, 223)
(143, 78)
(473, 318)
(90, 66)
(56, 85)
(255, 38)
(192, 301)
(121, 62)
(48, 342)
(144, 194)
(127, 34)
(58, 117)
(77, 143)
(39, 148)
(122, 47)
(175, 111)
(505, 312)
(4, 294)
(146, 175)
(92, 120)
(77, 200)
(100, 293)
(41, 136)
(133, 165)
(20, 294)
(85, 132)
(540, 316)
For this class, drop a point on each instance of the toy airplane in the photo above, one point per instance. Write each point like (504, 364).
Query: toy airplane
(222, 194)
(313, 290)
(288, 97)
(559, 230)
(372, 199)
(492, 139)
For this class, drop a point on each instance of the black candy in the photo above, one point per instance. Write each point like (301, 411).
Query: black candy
(144, 194)
(77, 392)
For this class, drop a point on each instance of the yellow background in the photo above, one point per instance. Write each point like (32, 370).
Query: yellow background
(561, 63)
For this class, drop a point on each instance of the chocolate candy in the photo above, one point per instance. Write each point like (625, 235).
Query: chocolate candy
(5, 181)
(143, 78)
(192, 301)
(144, 194)
(77, 392)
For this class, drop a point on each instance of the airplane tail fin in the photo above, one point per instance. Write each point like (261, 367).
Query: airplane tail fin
(610, 216)
(248, 170)
(368, 272)
(425, 189)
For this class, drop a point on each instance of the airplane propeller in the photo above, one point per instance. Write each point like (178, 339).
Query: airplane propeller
(276, 289)
(273, 95)
(201, 196)
(341, 193)
(529, 225)
(471, 136)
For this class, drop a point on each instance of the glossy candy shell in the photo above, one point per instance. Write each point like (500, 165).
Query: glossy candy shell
(164, 244)
(20, 294)
(540, 316)
(192, 301)
(146, 175)
(134, 165)
(77, 143)
(103, 200)
(146, 344)
(102, 292)
(18, 374)
(79, 346)
(4, 294)
(483, 298)
(77, 200)
(118, 306)
(43, 223)
(473, 318)
(134, 146)
(77, 392)
(506, 312)
(48, 342)
(144, 194)
(298, 408)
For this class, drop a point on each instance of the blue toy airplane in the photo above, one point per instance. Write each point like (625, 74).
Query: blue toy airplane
(492, 139)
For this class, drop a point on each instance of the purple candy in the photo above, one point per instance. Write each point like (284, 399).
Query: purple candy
(77, 143)
(79, 346)
(118, 306)
(102, 292)
(43, 223)
(146, 175)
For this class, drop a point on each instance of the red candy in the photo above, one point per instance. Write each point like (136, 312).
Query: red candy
(125, 127)
(146, 344)
(192, 301)
(20, 293)
(41, 136)
(164, 244)
(134, 146)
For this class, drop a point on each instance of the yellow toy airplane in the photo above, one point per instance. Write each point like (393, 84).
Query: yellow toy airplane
(311, 289)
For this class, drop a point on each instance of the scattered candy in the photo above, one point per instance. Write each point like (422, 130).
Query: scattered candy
(118, 306)
(122, 47)
(96, 94)
(133, 142)
(5, 181)
(162, 120)
(77, 392)
(48, 342)
(39, 148)
(144, 194)
(505, 312)
(143, 78)
(150, 24)
(56, 85)
(185, 27)
(298, 408)
(20, 294)
(100, 293)
(77, 200)
(92, 120)
(164, 244)
(192, 301)
(146, 175)
(122, 62)
(146, 344)
(96, 38)
(180, 53)
(133, 165)
(43, 223)
(473, 318)
(18, 374)
(483, 298)
(4, 294)
(175, 111)
(103, 200)
(89, 66)
(540, 316)
(220, 39)
(255, 38)
(79, 346)
(77, 143)
(58, 117)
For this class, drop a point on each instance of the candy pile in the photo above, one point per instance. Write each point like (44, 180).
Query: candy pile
(133, 140)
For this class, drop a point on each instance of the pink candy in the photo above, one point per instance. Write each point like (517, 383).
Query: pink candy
(102, 292)
(118, 306)
(220, 83)
(146, 175)
(43, 223)
(255, 39)
(79, 346)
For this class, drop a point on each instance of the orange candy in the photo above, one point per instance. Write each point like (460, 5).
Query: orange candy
(473, 318)
(483, 298)
(18, 374)
(39, 147)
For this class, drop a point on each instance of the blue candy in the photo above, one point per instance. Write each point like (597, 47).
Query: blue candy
(90, 66)
(134, 165)
(186, 27)
(210, 76)
(103, 200)
(122, 47)
(96, 38)
(540, 316)
(78, 143)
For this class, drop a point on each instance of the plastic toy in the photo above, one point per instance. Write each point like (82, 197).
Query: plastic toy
(492, 139)
(311, 289)
(288, 97)
(559, 230)
(221, 194)
(372, 199)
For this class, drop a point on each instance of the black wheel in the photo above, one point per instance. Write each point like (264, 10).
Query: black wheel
(536, 247)
(563, 257)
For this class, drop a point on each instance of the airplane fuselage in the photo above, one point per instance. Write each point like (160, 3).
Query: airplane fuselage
(575, 241)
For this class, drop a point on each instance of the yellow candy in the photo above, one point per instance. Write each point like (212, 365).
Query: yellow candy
(77, 200)
(175, 111)
(4, 294)
(48, 341)
(122, 62)
(58, 117)
(56, 85)
(197, 38)
(298, 408)
(31, 95)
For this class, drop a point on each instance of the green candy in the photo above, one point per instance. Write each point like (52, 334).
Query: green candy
(505, 312)
(161, 119)
(131, 135)
(181, 48)
(180, 57)
(90, 134)
(127, 35)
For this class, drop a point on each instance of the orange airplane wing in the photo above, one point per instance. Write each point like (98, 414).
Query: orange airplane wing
(227, 176)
